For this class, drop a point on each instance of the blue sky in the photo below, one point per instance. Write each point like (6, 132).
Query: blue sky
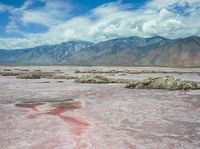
(29, 23)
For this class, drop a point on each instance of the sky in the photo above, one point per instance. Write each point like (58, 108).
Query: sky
(30, 23)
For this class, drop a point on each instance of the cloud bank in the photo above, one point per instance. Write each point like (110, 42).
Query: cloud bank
(167, 18)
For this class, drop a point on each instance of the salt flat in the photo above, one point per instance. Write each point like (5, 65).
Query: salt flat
(98, 116)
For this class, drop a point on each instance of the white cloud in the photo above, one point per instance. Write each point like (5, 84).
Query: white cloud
(110, 21)
(52, 13)
(159, 4)
(4, 8)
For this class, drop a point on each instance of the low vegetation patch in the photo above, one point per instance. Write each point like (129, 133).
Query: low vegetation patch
(99, 79)
(64, 77)
(10, 73)
(169, 83)
(35, 75)
(137, 71)
(92, 79)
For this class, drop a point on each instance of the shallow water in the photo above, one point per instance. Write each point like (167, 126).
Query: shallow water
(101, 116)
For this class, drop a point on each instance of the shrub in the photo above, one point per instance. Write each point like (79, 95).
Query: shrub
(10, 73)
(99, 79)
(35, 75)
(92, 79)
(169, 83)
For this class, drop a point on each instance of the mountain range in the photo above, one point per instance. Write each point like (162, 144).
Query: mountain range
(128, 51)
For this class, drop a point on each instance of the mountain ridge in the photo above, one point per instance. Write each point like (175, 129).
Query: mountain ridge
(127, 51)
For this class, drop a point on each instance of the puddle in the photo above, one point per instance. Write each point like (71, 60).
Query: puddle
(33, 106)
(44, 101)
(77, 126)
(60, 108)
(44, 82)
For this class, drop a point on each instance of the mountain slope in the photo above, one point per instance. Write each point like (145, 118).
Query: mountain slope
(122, 51)
(181, 52)
(47, 54)
(130, 51)
(155, 51)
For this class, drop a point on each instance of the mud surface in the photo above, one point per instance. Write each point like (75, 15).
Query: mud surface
(69, 115)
